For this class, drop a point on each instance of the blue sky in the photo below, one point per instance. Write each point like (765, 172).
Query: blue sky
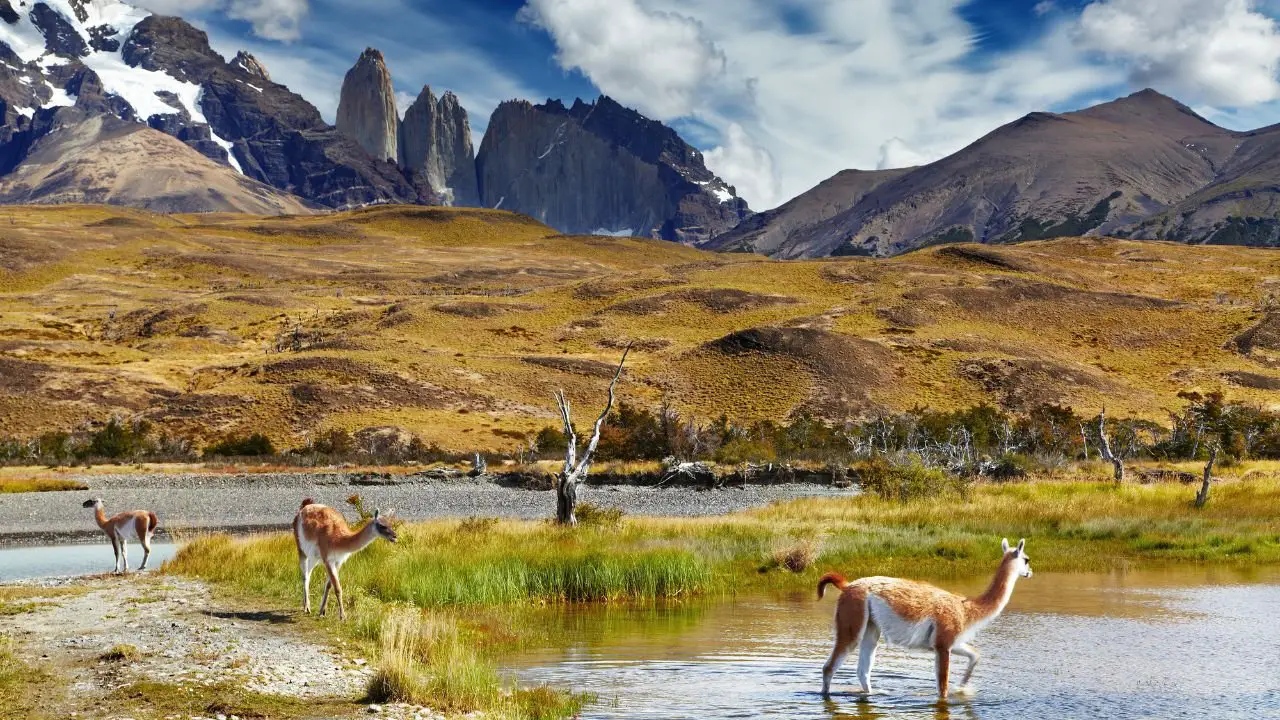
(780, 94)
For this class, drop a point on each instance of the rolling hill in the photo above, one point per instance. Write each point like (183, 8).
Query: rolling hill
(458, 324)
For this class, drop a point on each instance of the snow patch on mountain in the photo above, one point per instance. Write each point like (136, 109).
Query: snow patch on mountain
(148, 92)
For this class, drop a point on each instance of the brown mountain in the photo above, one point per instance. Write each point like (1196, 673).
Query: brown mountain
(1106, 169)
(103, 159)
(789, 225)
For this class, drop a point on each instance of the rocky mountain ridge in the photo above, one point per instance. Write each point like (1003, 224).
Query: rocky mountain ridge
(63, 62)
(1143, 166)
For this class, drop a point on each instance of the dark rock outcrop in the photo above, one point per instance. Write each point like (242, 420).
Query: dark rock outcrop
(435, 142)
(59, 36)
(367, 107)
(602, 167)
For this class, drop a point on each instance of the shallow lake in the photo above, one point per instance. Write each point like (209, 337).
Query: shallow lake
(1184, 643)
(23, 563)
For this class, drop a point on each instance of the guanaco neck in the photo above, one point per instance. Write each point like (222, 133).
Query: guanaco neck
(992, 602)
(358, 540)
(100, 515)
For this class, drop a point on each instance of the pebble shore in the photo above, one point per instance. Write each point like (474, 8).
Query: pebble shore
(263, 501)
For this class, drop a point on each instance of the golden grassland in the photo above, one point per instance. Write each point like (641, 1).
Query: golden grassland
(441, 607)
(457, 324)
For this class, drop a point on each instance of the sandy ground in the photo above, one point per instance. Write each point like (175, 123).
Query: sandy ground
(183, 634)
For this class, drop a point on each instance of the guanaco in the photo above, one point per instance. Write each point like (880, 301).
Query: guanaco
(917, 616)
(324, 538)
(136, 525)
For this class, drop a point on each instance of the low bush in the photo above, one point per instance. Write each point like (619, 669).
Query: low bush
(591, 515)
(255, 445)
(906, 480)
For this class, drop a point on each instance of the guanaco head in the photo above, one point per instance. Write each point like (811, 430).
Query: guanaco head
(382, 527)
(95, 502)
(1021, 563)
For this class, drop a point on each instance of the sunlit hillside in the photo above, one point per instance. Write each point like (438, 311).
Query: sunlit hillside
(458, 324)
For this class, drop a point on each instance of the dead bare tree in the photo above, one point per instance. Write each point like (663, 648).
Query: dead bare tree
(575, 470)
(1202, 497)
(1106, 453)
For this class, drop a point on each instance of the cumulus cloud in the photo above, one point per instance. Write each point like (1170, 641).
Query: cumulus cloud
(744, 164)
(656, 61)
(870, 83)
(271, 19)
(1216, 51)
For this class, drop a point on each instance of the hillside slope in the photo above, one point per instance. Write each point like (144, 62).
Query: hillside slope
(106, 160)
(458, 324)
(1104, 169)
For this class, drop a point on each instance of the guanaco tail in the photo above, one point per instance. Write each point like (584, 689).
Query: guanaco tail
(324, 538)
(917, 616)
(136, 525)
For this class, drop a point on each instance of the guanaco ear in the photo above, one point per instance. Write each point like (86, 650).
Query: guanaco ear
(376, 514)
(1004, 545)
(1021, 544)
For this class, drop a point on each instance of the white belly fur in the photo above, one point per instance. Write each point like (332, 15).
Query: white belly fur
(899, 631)
(312, 551)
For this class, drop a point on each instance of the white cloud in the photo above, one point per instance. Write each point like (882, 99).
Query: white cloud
(656, 61)
(744, 164)
(875, 83)
(271, 19)
(897, 154)
(1215, 51)
(1044, 7)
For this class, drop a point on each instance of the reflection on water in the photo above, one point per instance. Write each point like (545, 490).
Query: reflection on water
(1171, 644)
(22, 563)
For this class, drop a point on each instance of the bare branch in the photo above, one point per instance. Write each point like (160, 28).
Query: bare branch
(571, 439)
(595, 432)
(1107, 455)
(1202, 497)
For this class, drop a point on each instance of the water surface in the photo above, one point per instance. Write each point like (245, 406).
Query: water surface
(1190, 643)
(25, 563)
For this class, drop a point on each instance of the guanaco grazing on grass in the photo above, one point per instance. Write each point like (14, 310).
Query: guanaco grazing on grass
(917, 616)
(136, 525)
(324, 538)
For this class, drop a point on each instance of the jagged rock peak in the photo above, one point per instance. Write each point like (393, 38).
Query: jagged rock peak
(250, 64)
(367, 107)
(436, 147)
(601, 168)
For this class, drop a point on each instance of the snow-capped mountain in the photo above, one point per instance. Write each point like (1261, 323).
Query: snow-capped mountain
(595, 167)
(62, 61)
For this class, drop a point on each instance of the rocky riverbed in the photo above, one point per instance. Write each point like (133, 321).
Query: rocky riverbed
(148, 645)
(259, 501)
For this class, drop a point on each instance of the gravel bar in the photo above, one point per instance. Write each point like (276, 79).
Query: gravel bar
(257, 502)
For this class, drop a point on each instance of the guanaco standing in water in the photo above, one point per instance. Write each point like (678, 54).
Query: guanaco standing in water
(136, 525)
(324, 538)
(917, 616)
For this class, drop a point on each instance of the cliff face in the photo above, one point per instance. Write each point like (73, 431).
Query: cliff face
(602, 168)
(435, 141)
(367, 107)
